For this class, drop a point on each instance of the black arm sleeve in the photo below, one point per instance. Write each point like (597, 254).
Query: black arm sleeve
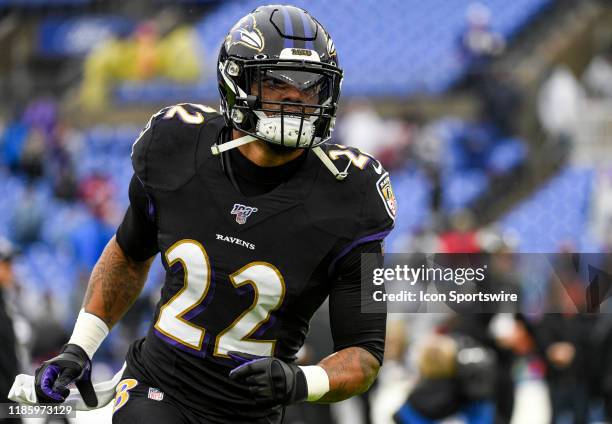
(137, 234)
(349, 325)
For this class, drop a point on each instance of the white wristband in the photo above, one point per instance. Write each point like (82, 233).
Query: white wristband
(317, 381)
(89, 332)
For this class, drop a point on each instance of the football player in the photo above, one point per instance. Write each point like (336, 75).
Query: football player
(258, 220)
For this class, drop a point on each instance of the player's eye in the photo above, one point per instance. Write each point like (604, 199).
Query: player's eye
(274, 84)
(315, 89)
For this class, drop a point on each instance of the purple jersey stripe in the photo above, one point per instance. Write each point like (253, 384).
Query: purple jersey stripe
(200, 353)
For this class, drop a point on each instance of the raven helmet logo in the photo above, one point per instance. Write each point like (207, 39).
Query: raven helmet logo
(386, 194)
(331, 47)
(245, 33)
(242, 212)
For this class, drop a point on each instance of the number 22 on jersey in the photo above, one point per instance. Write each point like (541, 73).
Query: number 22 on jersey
(268, 288)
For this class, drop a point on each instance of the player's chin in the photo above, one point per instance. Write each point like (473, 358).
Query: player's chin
(281, 150)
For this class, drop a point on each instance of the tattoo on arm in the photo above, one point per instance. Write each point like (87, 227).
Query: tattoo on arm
(351, 372)
(114, 284)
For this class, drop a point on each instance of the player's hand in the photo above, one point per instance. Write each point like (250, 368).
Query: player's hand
(72, 365)
(270, 380)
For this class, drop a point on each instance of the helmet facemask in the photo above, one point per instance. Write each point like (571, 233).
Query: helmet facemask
(289, 103)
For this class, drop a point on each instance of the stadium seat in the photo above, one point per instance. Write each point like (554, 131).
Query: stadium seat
(426, 34)
(556, 214)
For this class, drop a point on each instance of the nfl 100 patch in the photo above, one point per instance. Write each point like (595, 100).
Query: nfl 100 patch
(242, 212)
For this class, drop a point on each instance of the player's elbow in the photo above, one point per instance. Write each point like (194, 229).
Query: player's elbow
(370, 366)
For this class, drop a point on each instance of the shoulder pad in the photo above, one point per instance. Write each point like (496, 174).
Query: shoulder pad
(365, 194)
(164, 154)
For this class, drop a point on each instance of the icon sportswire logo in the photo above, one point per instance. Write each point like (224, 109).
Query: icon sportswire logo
(242, 212)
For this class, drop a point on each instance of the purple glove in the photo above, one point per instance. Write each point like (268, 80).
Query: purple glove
(72, 365)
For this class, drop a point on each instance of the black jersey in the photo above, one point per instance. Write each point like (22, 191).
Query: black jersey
(243, 273)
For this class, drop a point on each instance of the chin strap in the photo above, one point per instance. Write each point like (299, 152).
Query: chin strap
(220, 148)
(329, 164)
(228, 145)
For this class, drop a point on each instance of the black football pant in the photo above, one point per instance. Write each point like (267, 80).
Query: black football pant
(138, 403)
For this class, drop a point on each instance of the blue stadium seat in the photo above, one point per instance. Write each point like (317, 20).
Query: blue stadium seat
(507, 155)
(413, 192)
(461, 188)
(557, 213)
(401, 47)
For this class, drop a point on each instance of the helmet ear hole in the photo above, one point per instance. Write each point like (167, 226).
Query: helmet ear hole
(233, 69)
(237, 116)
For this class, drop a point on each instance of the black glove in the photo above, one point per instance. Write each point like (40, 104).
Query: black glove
(72, 365)
(271, 381)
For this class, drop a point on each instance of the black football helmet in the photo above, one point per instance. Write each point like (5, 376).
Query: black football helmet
(277, 45)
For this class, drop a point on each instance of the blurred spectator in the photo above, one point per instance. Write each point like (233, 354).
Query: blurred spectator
(503, 275)
(65, 152)
(479, 327)
(457, 379)
(97, 192)
(597, 78)
(41, 117)
(9, 364)
(362, 127)
(41, 114)
(479, 43)
(27, 219)
(559, 104)
(475, 144)
(90, 238)
(500, 101)
(33, 154)
(429, 150)
(60, 164)
(435, 395)
(12, 142)
(395, 377)
(462, 235)
(429, 145)
(423, 240)
(65, 184)
(48, 334)
(388, 140)
(564, 341)
(602, 349)
(601, 210)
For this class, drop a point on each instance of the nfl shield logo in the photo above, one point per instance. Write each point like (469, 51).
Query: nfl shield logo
(242, 212)
(155, 394)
